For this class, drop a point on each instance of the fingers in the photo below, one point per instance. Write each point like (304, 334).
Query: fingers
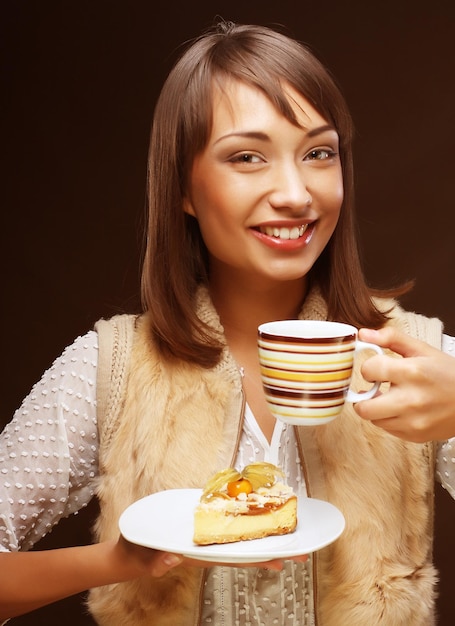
(416, 429)
(273, 564)
(379, 409)
(396, 341)
(155, 563)
(163, 562)
(419, 403)
(411, 369)
(396, 371)
(138, 560)
(278, 564)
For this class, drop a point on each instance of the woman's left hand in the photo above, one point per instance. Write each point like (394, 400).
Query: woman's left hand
(420, 404)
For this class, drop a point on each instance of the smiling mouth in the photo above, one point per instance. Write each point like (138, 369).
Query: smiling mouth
(283, 232)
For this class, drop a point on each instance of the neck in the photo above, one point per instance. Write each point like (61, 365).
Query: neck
(242, 307)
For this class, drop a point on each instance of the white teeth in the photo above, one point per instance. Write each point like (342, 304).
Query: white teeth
(284, 233)
(295, 233)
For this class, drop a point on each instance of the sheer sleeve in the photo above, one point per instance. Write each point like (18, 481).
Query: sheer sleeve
(445, 460)
(49, 451)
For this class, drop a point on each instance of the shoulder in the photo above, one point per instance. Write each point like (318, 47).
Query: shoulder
(115, 338)
(118, 325)
(115, 341)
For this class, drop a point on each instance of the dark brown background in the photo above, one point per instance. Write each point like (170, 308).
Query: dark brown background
(80, 79)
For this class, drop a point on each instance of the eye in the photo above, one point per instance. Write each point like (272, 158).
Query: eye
(245, 157)
(320, 154)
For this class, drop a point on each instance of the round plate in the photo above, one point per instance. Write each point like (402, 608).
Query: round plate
(164, 521)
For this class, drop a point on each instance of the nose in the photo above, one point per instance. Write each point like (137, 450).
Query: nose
(289, 190)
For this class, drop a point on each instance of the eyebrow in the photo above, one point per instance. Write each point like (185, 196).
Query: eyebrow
(321, 129)
(264, 137)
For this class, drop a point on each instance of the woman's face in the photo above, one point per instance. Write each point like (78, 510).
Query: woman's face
(267, 194)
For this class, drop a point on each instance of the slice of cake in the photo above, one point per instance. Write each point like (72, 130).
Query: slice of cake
(236, 506)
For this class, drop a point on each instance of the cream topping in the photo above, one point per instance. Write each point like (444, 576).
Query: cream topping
(264, 497)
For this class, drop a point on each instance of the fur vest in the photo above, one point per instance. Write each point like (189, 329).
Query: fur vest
(165, 426)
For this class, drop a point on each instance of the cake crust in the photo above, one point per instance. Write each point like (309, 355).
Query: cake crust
(217, 526)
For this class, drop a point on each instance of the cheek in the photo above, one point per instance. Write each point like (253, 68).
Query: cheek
(202, 192)
(210, 210)
(215, 201)
(333, 195)
(338, 199)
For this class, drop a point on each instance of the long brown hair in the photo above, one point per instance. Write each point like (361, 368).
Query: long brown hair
(176, 261)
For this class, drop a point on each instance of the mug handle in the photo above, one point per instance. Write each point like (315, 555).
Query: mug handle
(353, 396)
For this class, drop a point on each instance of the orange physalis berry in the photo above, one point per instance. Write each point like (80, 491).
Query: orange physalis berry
(239, 486)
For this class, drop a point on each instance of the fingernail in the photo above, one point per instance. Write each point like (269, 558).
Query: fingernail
(172, 560)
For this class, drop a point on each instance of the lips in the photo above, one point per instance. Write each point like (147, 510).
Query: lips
(284, 232)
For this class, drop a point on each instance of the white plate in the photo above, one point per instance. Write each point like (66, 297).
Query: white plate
(164, 521)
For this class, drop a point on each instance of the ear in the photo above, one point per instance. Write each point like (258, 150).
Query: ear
(188, 207)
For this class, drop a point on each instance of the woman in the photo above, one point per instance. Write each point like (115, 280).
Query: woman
(250, 219)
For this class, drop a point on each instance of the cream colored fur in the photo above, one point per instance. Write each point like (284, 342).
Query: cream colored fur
(167, 438)
(178, 424)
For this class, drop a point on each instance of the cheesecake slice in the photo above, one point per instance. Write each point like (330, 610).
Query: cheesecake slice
(238, 506)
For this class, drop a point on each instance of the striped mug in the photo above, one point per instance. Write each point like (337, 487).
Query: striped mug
(306, 369)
